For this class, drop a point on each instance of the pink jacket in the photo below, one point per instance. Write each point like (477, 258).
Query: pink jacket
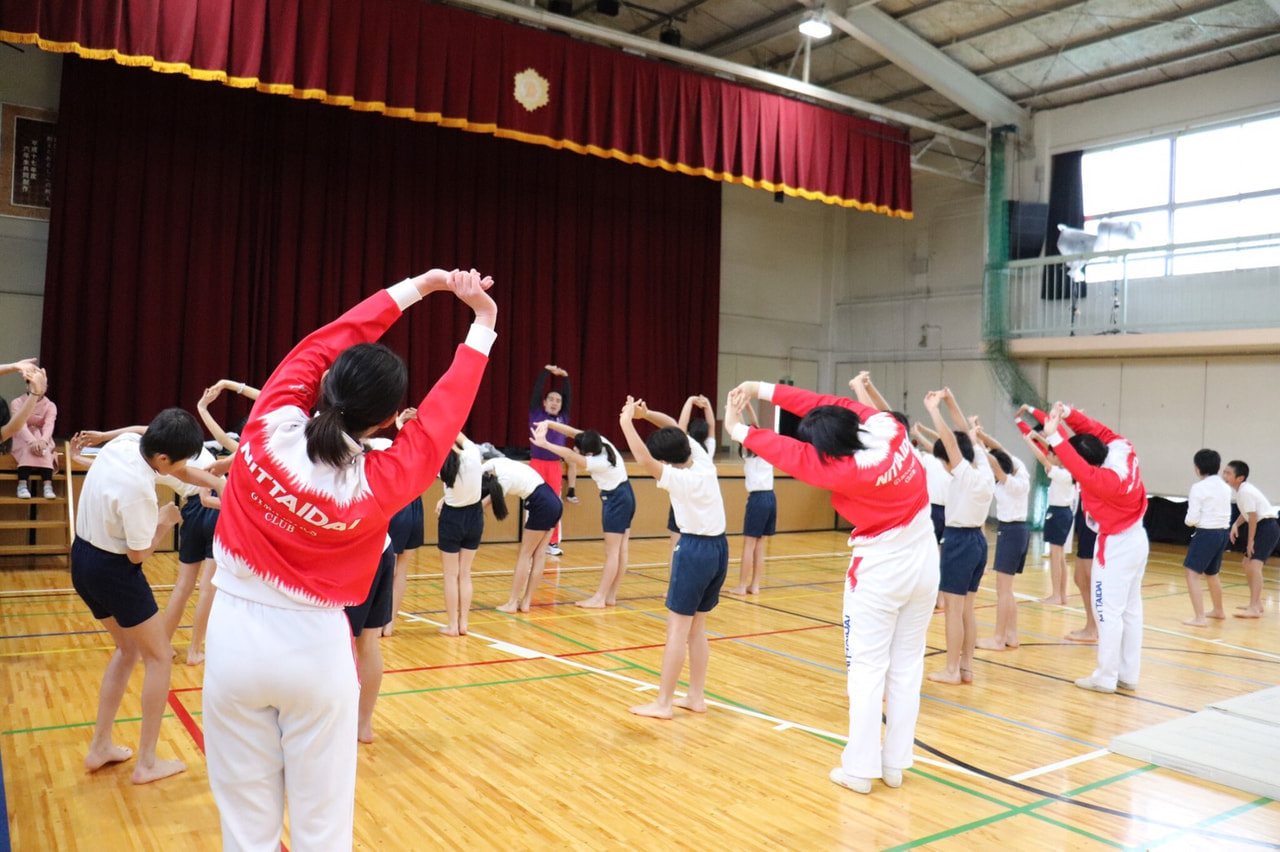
(33, 444)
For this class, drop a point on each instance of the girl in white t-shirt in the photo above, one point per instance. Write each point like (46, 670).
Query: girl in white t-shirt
(598, 457)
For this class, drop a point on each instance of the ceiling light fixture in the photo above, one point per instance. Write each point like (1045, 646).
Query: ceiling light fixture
(815, 24)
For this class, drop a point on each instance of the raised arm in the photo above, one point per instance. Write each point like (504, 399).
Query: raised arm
(933, 401)
(562, 428)
(953, 408)
(1038, 453)
(656, 418)
(38, 383)
(93, 438)
(538, 437)
(626, 420)
(215, 429)
(866, 392)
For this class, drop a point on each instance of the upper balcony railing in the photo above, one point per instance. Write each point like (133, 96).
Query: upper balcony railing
(1212, 285)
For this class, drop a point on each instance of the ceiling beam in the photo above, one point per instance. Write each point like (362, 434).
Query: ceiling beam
(733, 70)
(1055, 50)
(779, 23)
(931, 66)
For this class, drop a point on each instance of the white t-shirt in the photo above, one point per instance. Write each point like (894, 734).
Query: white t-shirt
(936, 477)
(516, 478)
(695, 494)
(970, 492)
(1209, 504)
(757, 473)
(466, 489)
(607, 476)
(203, 461)
(1012, 494)
(118, 510)
(1250, 499)
(1062, 488)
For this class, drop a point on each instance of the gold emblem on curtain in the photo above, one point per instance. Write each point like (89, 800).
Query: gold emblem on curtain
(532, 89)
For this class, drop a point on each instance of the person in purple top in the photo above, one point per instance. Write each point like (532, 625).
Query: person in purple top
(551, 403)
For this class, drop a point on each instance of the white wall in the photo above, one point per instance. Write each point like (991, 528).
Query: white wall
(30, 78)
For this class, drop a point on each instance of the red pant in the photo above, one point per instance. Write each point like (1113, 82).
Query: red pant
(552, 473)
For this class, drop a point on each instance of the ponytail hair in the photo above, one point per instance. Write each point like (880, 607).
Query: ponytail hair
(449, 469)
(491, 488)
(361, 390)
(589, 443)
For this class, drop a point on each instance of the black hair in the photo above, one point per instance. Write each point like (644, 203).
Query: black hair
(1208, 462)
(902, 418)
(1240, 468)
(1002, 459)
(745, 452)
(963, 441)
(4, 421)
(449, 468)
(174, 433)
(699, 430)
(832, 430)
(1090, 448)
(669, 445)
(590, 443)
(491, 488)
(361, 390)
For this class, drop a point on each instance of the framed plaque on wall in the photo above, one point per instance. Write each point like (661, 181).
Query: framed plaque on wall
(28, 137)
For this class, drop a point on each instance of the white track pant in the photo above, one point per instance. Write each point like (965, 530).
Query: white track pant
(1119, 563)
(886, 617)
(280, 717)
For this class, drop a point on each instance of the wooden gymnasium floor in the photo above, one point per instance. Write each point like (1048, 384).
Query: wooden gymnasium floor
(518, 736)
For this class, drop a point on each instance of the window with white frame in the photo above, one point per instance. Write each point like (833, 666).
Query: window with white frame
(1216, 184)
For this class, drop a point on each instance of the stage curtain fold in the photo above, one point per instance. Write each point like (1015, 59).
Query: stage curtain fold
(199, 231)
(448, 66)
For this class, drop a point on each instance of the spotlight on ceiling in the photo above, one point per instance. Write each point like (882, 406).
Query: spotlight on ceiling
(561, 7)
(670, 35)
(815, 24)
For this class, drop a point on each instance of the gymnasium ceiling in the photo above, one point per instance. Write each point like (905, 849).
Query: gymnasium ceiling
(945, 68)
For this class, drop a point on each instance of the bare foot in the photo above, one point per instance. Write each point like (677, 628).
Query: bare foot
(95, 760)
(365, 735)
(698, 706)
(992, 644)
(613, 602)
(194, 657)
(462, 630)
(448, 631)
(944, 676)
(754, 591)
(156, 771)
(738, 592)
(1082, 635)
(1196, 622)
(1053, 600)
(508, 607)
(590, 603)
(1217, 613)
(966, 675)
(653, 710)
(524, 607)
(1249, 613)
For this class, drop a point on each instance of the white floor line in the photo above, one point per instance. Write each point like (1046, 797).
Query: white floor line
(1062, 764)
(642, 686)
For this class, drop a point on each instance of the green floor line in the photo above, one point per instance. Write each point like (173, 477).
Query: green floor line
(1205, 823)
(69, 725)
(485, 683)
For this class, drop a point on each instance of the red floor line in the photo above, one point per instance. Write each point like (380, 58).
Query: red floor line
(188, 722)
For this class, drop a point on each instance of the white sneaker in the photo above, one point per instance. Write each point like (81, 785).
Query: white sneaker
(857, 785)
(24, 493)
(891, 777)
(554, 550)
(1089, 683)
(1126, 686)
(48, 491)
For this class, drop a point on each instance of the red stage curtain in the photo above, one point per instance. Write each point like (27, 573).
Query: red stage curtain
(447, 66)
(199, 231)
